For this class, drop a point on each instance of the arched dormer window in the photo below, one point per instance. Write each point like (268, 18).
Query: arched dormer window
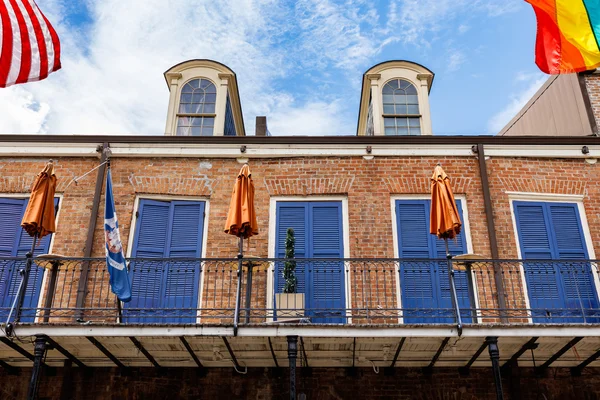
(401, 108)
(196, 114)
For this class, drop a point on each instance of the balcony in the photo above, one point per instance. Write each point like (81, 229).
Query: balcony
(373, 292)
(191, 309)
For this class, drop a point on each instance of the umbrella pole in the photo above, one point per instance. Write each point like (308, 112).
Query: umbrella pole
(453, 289)
(23, 286)
(248, 291)
(236, 316)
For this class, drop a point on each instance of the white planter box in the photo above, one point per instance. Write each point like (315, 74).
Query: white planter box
(289, 306)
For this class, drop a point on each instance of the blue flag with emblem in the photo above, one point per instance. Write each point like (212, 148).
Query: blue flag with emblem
(115, 260)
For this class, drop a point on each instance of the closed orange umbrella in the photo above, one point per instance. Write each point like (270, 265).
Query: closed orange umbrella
(241, 218)
(38, 220)
(444, 221)
(241, 222)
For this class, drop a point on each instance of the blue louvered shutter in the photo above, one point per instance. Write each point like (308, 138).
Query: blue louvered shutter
(292, 215)
(553, 231)
(150, 241)
(326, 277)
(417, 280)
(576, 277)
(425, 285)
(11, 211)
(183, 276)
(536, 244)
(456, 246)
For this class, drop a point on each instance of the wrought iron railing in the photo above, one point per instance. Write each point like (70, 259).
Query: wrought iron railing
(339, 291)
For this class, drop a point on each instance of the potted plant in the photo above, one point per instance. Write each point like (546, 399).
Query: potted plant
(290, 305)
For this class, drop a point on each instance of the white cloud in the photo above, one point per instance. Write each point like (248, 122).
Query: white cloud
(455, 60)
(462, 28)
(111, 81)
(517, 101)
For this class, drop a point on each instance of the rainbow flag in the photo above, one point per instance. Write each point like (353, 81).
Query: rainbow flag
(568, 32)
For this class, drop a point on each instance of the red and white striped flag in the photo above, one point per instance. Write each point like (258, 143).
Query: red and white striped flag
(29, 45)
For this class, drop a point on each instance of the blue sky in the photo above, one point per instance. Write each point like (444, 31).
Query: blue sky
(298, 62)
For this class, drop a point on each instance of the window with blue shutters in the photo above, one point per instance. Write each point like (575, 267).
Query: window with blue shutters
(424, 284)
(559, 292)
(166, 290)
(15, 242)
(318, 232)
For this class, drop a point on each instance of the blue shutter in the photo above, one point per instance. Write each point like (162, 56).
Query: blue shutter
(292, 215)
(166, 291)
(425, 285)
(417, 279)
(15, 242)
(557, 291)
(150, 241)
(326, 278)
(318, 233)
(183, 277)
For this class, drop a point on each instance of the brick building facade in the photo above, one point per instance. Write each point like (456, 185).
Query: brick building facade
(381, 337)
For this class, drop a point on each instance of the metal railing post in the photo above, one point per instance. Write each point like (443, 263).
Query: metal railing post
(50, 291)
(23, 287)
(238, 295)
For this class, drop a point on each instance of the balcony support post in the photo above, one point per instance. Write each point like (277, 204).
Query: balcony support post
(38, 356)
(491, 228)
(492, 342)
(292, 356)
(459, 325)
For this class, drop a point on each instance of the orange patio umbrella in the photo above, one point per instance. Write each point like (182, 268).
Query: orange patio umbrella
(241, 222)
(241, 218)
(445, 224)
(38, 220)
(444, 220)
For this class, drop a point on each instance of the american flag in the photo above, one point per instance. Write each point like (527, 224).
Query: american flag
(29, 45)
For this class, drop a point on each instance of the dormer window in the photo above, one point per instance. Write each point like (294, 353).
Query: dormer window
(196, 116)
(204, 100)
(394, 100)
(401, 108)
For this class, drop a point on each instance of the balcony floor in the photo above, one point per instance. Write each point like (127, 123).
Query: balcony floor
(320, 345)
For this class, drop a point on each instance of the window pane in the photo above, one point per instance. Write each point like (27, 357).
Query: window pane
(181, 131)
(194, 83)
(400, 99)
(393, 84)
(388, 122)
(388, 99)
(183, 121)
(207, 131)
(412, 99)
(402, 122)
(208, 86)
(390, 131)
(402, 131)
(210, 121)
(388, 109)
(414, 121)
(413, 109)
(209, 108)
(400, 109)
(415, 131)
(410, 89)
(196, 121)
(210, 97)
(186, 98)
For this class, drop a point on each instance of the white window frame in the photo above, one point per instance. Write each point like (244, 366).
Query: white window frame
(160, 197)
(272, 238)
(190, 115)
(550, 198)
(466, 229)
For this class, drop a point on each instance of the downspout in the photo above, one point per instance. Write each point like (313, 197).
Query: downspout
(87, 252)
(489, 216)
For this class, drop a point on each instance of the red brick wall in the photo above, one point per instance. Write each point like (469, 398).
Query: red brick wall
(366, 184)
(316, 384)
(593, 88)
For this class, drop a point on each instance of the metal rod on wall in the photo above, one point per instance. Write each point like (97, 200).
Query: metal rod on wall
(85, 267)
(491, 228)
